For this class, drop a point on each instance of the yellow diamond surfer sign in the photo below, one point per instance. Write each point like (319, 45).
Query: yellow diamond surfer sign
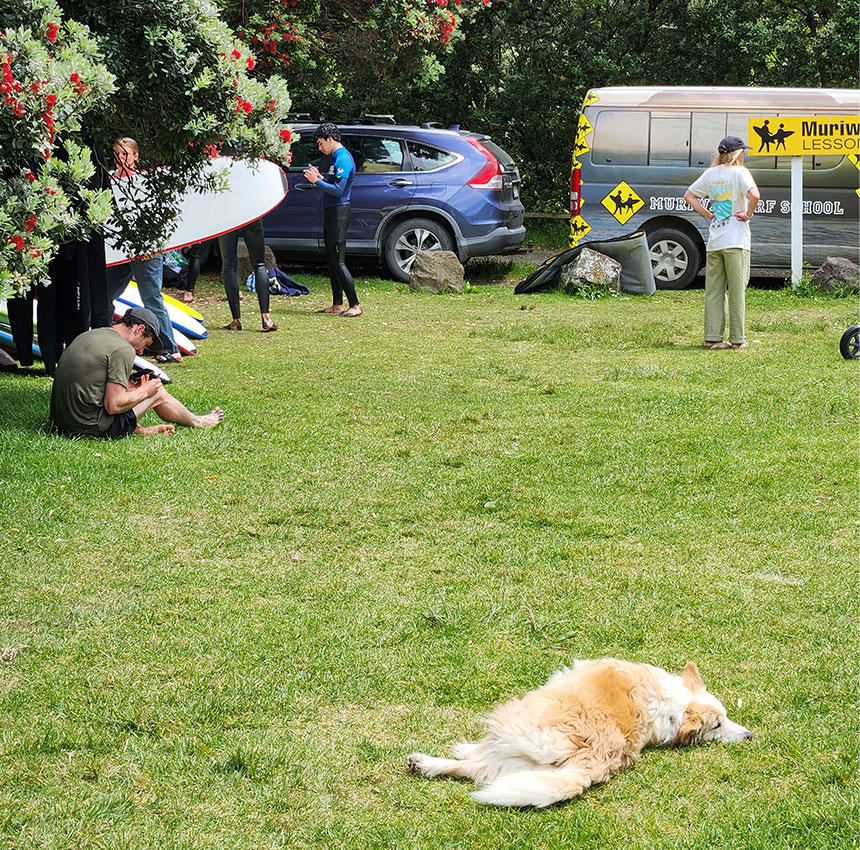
(579, 227)
(622, 202)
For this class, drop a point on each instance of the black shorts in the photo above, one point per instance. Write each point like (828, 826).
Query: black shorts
(123, 424)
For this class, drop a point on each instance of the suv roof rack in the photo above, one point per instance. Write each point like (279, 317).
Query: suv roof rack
(372, 118)
(298, 116)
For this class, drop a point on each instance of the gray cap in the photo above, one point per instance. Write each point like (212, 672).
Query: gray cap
(731, 143)
(148, 318)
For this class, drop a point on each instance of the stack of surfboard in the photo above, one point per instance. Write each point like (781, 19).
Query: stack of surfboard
(7, 342)
(187, 323)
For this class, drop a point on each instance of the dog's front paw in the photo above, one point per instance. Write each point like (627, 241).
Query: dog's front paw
(416, 763)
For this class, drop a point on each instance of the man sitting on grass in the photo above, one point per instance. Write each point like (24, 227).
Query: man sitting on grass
(93, 395)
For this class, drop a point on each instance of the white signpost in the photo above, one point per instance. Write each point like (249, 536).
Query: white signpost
(798, 136)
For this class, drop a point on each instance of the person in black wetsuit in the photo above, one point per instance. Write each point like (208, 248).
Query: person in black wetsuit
(337, 215)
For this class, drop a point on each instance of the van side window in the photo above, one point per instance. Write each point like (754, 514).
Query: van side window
(620, 138)
(708, 129)
(670, 139)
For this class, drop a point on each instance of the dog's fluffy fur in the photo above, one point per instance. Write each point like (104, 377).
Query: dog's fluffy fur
(587, 723)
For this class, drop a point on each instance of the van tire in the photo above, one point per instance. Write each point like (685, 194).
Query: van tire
(849, 345)
(675, 258)
(410, 236)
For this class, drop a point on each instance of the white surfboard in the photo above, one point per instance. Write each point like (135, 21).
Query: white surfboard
(253, 189)
(180, 319)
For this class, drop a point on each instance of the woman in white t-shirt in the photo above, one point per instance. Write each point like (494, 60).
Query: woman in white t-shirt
(733, 197)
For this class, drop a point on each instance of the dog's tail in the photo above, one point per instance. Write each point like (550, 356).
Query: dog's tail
(537, 788)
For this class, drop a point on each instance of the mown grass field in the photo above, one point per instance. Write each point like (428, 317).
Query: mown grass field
(233, 638)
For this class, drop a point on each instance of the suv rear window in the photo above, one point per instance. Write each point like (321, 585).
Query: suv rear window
(426, 158)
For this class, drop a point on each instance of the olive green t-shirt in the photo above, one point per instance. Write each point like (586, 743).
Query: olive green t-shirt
(93, 360)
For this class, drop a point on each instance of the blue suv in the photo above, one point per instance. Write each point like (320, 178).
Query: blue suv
(415, 189)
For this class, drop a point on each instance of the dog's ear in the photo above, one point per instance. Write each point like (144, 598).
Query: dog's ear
(690, 731)
(696, 722)
(691, 678)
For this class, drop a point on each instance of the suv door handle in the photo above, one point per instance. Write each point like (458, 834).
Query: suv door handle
(400, 181)
(303, 186)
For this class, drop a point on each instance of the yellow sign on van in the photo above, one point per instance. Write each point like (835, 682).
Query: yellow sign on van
(622, 208)
(804, 135)
(579, 227)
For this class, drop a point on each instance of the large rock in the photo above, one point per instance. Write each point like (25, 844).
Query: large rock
(243, 262)
(836, 273)
(435, 271)
(591, 269)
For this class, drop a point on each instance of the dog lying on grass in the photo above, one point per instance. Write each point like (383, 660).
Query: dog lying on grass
(588, 722)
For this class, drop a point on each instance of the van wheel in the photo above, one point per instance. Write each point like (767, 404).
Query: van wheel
(849, 345)
(408, 238)
(675, 258)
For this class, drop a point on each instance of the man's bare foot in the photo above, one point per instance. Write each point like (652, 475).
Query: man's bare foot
(210, 419)
(188, 298)
(153, 430)
(335, 308)
(352, 312)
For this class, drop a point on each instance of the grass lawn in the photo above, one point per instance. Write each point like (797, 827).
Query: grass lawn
(233, 638)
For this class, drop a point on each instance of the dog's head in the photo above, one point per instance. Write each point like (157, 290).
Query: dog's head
(705, 716)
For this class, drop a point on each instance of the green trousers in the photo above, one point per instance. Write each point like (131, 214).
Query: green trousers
(727, 274)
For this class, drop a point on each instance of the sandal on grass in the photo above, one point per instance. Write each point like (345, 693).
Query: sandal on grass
(167, 358)
(235, 325)
(269, 328)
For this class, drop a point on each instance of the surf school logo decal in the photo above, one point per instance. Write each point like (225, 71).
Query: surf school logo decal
(622, 202)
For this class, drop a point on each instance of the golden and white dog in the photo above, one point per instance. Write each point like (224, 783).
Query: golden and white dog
(588, 722)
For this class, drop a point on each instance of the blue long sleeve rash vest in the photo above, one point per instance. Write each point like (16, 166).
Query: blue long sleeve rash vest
(337, 181)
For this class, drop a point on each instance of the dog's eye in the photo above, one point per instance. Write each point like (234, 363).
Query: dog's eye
(717, 725)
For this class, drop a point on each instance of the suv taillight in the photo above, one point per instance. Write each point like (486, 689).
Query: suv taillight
(490, 175)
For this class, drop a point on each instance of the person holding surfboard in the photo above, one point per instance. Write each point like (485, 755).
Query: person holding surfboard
(337, 214)
(147, 272)
(95, 394)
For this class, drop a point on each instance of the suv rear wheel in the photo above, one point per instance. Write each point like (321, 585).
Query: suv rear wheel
(408, 238)
(675, 258)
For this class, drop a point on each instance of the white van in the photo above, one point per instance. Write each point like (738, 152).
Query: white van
(639, 148)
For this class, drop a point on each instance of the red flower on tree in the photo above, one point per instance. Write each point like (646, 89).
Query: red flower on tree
(286, 136)
(18, 242)
(51, 33)
(29, 223)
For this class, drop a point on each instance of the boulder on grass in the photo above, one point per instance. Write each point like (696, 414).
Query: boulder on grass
(836, 273)
(591, 269)
(436, 271)
(243, 261)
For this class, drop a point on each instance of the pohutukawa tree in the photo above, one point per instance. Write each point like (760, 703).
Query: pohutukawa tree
(75, 77)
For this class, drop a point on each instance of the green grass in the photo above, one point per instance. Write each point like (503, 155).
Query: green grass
(548, 233)
(235, 637)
